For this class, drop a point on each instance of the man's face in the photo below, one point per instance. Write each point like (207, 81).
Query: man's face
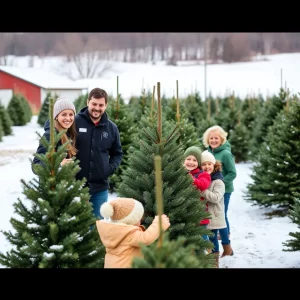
(96, 108)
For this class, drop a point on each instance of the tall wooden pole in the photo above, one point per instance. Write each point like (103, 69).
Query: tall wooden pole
(159, 197)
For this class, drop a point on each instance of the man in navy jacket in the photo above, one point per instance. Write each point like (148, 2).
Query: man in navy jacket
(99, 147)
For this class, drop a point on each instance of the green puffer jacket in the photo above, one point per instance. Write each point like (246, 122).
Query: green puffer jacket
(224, 155)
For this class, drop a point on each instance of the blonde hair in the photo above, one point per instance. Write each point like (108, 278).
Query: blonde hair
(223, 135)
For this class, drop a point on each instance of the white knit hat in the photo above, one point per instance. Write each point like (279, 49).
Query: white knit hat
(62, 104)
(123, 210)
(207, 156)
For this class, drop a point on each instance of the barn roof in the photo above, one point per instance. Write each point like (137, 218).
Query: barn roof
(42, 78)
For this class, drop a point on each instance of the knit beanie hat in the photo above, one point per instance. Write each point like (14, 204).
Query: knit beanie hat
(62, 104)
(195, 151)
(207, 156)
(123, 210)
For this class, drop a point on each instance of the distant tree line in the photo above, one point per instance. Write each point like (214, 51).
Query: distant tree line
(149, 46)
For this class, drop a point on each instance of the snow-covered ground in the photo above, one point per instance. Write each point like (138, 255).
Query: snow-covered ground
(256, 240)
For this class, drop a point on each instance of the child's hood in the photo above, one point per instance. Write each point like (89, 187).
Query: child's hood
(112, 234)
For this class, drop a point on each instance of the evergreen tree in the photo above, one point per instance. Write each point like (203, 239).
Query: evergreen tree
(138, 105)
(249, 111)
(27, 108)
(5, 120)
(56, 229)
(195, 109)
(44, 111)
(265, 119)
(172, 254)
(165, 253)
(276, 176)
(188, 135)
(81, 102)
(294, 215)
(17, 111)
(119, 113)
(181, 198)
(1, 131)
(239, 141)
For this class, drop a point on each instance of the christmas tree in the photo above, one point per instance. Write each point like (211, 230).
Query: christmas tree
(275, 176)
(294, 244)
(239, 141)
(188, 135)
(121, 115)
(181, 198)
(17, 111)
(166, 253)
(44, 111)
(265, 119)
(5, 120)
(56, 229)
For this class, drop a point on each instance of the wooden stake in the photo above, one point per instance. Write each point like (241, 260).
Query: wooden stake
(159, 197)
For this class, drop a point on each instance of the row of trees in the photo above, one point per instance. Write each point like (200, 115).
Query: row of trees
(17, 113)
(247, 122)
(56, 230)
(51, 231)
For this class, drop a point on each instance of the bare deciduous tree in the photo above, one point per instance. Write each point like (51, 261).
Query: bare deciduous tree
(85, 54)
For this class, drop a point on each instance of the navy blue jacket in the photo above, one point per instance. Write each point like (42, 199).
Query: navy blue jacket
(41, 149)
(99, 150)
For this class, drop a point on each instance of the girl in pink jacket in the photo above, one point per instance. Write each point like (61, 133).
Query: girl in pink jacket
(121, 231)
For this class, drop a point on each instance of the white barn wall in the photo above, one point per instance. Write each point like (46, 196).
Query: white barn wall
(5, 96)
(70, 94)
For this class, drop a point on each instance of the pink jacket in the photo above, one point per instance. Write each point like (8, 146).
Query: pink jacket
(122, 241)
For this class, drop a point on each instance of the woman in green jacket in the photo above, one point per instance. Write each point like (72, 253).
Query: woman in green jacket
(215, 141)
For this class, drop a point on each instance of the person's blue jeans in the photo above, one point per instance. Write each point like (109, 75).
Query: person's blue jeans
(205, 236)
(214, 239)
(226, 204)
(97, 199)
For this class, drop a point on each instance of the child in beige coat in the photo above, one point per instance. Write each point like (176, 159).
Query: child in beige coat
(214, 196)
(121, 231)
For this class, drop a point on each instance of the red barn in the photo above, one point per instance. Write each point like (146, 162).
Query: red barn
(34, 84)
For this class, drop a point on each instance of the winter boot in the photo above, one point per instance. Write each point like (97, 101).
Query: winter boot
(227, 250)
(217, 256)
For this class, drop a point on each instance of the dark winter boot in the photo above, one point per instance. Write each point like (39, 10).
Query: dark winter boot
(227, 250)
(217, 256)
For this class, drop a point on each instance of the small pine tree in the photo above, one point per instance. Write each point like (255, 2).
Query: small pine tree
(44, 111)
(195, 108)
(1, 131)
(265, 118)
(239, 141)
(5, 120)
(275, 176)
(172, 254)
(80, 102)
(27, 108)
(17, 111)
(56, 229)
(165, 253)
(294, 215)
(181, 198)
(119, 113)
